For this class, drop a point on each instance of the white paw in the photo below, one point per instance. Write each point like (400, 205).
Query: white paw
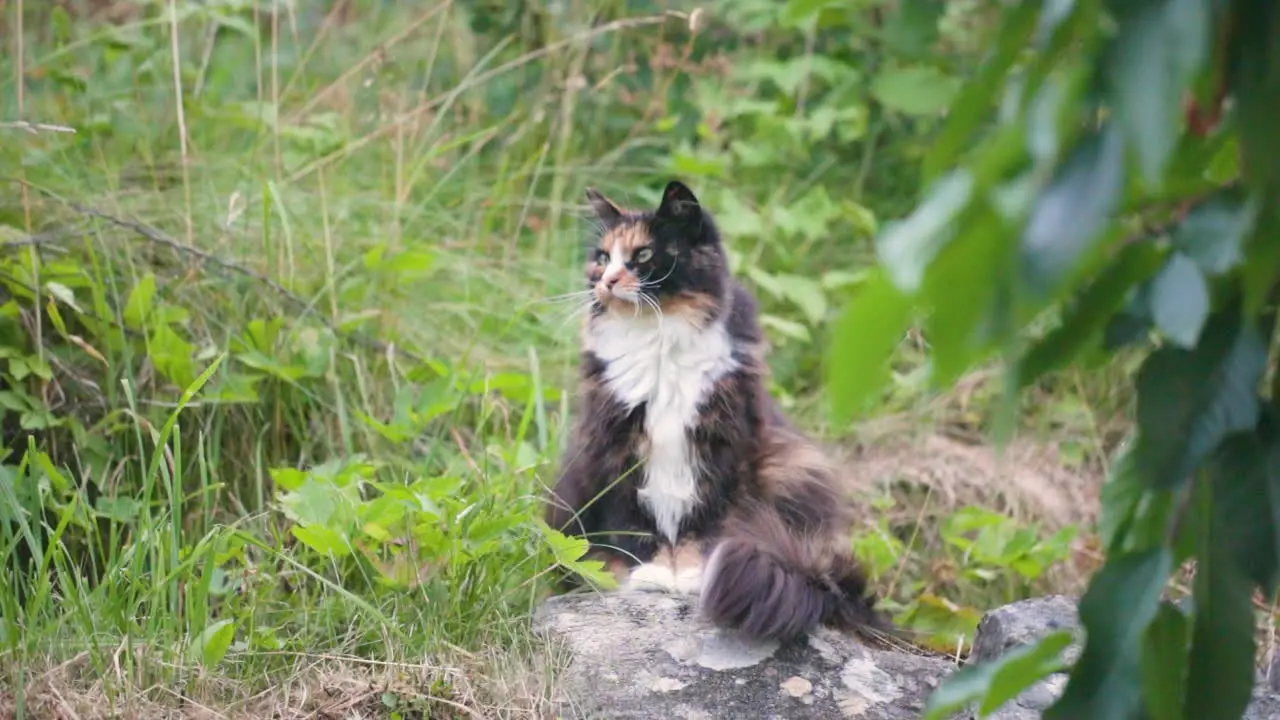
(689, 581)
(651, 578)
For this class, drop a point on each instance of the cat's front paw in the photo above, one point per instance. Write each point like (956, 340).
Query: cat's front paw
(649, 577)
(689, 581)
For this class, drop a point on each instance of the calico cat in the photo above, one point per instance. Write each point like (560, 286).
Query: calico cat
(681, 470)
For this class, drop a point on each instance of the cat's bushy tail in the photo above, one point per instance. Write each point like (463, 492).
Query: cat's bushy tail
(769, 581)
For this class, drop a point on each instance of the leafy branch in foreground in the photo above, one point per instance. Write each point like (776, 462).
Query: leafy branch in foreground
(1114, 112)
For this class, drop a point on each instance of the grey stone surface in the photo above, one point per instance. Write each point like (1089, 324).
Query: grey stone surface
(1022, 623)
(636, 656)
(1025, 622)
(640, 655)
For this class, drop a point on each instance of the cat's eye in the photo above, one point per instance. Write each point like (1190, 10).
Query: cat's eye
(602, 257)
(644, 255)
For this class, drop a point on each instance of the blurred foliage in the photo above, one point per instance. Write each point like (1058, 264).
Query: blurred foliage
(1124, 190)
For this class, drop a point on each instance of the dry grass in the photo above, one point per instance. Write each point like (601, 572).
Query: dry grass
(1028, 479)
(321, 687)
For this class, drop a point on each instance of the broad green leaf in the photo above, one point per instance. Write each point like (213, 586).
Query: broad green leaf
(322, 502)
(863, 338)
(906, 248)
(1261, 266)
(1012, 677)
(913, 29)
(1159, 46)
(138, 308)
(1115, 611)
(1132, 325)
(64, 295)
(801, 11)
(1179, 300)
(787, 328)
(214, 641)
(1071, 213)
(172, 355)
(1214, 233)
(962, 286)
(1133, 517)
(1245, 493)
(994, 683)
(1086, 319)
(1120, 493)
(1220, 674)
(1189, 400)
(919, 90)
(1164, 663)
(807, 294)
(978, 95)
(1255, 86)
(326, 541)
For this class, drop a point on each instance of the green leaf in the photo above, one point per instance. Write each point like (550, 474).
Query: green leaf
(1221, 671)
(1133, 517)
(1115, 611)
(907, 248)
(978, 96)
(1214, 233)
(1262, 256)
(138, 308)
(863, 339)
(324, 540)
(807, 294)
(1189, 400)
(962, 286)
(1086, 319)
(786, 328)
(1072, 211)
(172, 355)
(913, 29)
(1159, 46)
(1255, 84)
(214, 641)
(1179, 300)
(994, 683)
(800, 11)
(1164, 662)
(1246, 495)
(920, 90)
(64, 295)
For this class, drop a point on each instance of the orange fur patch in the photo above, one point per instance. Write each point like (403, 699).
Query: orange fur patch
(627, 238)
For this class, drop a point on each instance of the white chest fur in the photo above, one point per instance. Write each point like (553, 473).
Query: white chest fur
(671, 365)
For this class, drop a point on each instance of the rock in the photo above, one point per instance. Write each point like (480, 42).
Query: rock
(643, 655)
(1024, 622)
(636, 656)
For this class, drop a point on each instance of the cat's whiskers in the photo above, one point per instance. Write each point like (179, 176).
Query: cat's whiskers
(567, 297)
(657, 309)
(646, 283)
(575, 312)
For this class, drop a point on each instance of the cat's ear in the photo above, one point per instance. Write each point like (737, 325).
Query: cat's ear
(678, 202)
(608, 213)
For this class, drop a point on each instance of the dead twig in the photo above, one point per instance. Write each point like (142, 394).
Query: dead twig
(35, 128)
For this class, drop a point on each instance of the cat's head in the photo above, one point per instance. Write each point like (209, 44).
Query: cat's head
(651, 259)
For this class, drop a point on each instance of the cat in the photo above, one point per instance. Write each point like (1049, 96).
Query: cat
(681, 470)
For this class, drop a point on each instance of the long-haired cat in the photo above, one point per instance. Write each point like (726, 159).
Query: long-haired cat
(682, 471)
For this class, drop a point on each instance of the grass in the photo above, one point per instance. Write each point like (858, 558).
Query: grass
(311, 308)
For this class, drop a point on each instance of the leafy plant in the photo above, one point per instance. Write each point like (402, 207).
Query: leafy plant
(1126, 188)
